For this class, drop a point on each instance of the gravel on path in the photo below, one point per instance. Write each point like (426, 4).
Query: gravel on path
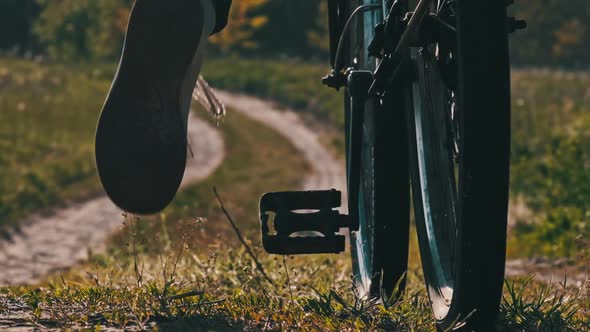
(327, 171)
(46, 244)
(50, 243)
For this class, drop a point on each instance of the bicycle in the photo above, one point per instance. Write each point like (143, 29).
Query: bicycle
(427, 109)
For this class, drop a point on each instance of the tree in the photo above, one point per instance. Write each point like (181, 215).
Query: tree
(286, 32)
(16, 17)
(320, 37)
(558, 33)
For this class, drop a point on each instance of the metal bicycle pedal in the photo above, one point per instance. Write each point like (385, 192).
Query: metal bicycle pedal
(289, 219)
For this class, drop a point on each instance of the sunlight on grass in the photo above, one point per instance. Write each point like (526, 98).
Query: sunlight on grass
(550, 140)
(184, 268)
(185, 287)
(48, 114)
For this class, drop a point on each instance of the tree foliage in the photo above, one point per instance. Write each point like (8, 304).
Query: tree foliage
(82, 29)
(558, 33)
(242, 24)
(286, 32)
(16, 18)
(319, 37)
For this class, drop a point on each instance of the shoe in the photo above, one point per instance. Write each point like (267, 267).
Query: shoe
(141, 137)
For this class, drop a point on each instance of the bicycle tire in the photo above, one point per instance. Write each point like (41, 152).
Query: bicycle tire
(380, 246)
(462, 224)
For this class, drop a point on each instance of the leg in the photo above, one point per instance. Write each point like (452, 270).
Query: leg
(141, 140)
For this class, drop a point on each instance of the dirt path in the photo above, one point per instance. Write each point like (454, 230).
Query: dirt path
(550, 270)
(47, 244)
(51, 243)
(327, 172)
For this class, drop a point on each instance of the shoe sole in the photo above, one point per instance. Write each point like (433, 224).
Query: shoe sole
(141, 140)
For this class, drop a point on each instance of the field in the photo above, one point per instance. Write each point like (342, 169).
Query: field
(185, 268)
(550, 141)
(551, 161)
(47, 118)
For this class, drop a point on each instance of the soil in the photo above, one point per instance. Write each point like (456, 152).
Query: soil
(50, 243)
(47, 243)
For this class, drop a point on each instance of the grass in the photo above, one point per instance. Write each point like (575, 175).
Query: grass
(219, 288)
(47, 118)
(551, 161)
(543, 307)
(272, 164)
(550, 150)
(49, 114)
(183, 269)
(289, 82)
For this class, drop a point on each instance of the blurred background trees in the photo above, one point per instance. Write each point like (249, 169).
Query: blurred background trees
(288, 25)
(82, 29)
(243, 22)
(558, 32)
(551, 139)
(16, 21)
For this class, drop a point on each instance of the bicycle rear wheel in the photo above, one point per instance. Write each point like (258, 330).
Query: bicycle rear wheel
(460, 146)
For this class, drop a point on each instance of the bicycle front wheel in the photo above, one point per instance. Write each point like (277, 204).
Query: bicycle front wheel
(460, 146)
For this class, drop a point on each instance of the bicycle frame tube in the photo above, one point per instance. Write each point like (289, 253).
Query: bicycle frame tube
(391, 63)
(409, 34)
(370, 20)
(337, 15)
